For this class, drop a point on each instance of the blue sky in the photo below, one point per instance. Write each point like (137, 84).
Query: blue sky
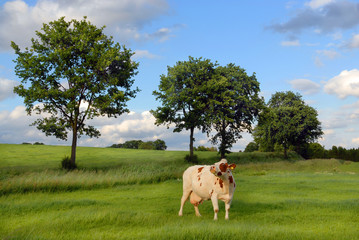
(310, 47)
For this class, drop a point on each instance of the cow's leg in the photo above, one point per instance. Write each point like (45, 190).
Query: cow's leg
(215, 205)
(197, 210)
(228, 206)
(183, 200)
(196, 200)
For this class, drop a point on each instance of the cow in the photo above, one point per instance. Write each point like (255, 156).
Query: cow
(204, 182)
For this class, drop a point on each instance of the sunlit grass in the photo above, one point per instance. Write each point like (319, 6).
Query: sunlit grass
(273, 206)
(129, 194)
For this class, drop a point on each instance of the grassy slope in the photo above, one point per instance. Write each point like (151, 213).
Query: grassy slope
(315, 199)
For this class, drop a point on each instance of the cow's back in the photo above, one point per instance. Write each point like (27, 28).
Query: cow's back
(188, 175)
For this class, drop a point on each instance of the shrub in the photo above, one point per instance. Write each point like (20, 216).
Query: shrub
(205, 149)
(67, 164)
(139, 144)
(116, 145)
(133, 144)
(159, 144)
(251, 147)
(146, 145)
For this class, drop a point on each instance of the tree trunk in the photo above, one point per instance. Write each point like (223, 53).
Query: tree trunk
(223, 144)
(191, 140)
(74, 145)
(223, 154)
(285, 152)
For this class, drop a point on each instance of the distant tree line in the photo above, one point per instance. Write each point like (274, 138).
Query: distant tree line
(36, 143)
(314, 151)
(139, 144)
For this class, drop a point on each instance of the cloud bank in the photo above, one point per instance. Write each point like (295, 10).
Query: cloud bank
(125, 20)
(323, 16)
(15, 129)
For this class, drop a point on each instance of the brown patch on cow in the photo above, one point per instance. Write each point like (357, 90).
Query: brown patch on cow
(219, 174)
(199, 178)
(223, 167)
(200, 169)
(200, 184)
(221, 183)
(230, 178)
(234, 185)
(211, 193)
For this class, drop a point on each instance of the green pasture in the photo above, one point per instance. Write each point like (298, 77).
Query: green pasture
(133, 194)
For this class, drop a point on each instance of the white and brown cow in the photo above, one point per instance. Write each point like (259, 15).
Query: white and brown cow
(204, 182)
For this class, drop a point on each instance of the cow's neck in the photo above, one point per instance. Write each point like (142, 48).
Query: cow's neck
(225, 184)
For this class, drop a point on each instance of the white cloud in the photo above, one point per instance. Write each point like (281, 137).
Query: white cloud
(124, 19)
(162, 34)
(325, 54)
(337, 36)
(331, 54)
(340, 125)
(344, 85)
(314, 4)
(144, 54)
(294, 43)
(353, 42)
(318, 62)
(6, 88)
(18, 113)
(355, 140)
(328, 132)
(306, 86)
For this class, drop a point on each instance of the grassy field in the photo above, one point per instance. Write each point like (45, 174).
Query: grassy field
(132, 194)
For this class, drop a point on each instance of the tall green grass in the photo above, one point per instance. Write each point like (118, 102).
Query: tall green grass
(135, 194)
(273, 206)
(98, 168)
(38, 157)
(26, 168)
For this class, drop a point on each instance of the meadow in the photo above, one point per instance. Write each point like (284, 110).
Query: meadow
(135, 194)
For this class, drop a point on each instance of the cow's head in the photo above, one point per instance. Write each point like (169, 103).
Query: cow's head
(221, 168)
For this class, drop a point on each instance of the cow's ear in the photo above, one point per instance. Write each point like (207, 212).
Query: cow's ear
(232, 166)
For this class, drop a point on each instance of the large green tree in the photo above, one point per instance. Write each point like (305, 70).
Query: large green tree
(288, 121)
(74, 72)
(234, 105)
(184, 96)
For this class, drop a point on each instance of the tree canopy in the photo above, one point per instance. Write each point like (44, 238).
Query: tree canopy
(200, 94)
(234, 106)
(74, 72)
(184, 96)
(287, 121)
